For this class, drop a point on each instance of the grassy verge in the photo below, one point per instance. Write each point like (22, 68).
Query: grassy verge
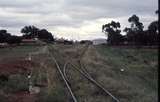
(140, 70)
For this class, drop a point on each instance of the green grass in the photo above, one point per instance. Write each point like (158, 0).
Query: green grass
(138, 82)
(15, 83)
(17, 51)
(140, 70)
(54, 95)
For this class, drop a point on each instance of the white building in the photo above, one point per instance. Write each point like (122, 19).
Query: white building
(99, 41)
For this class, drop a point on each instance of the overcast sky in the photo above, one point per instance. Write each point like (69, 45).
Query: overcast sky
(77, 19)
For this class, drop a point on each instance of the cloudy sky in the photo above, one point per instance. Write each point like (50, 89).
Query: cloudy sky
(77, 19)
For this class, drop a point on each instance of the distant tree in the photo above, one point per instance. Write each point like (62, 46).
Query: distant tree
(153, 27)
(4, 35)
(45, 35)
(14, 39)
(85, 42)
(3, 31)
(157, 12)
(113, 33)
(136, 25)
(153, 32)
(135, 34)
(8, 38)
(34, 32)
(29, 32)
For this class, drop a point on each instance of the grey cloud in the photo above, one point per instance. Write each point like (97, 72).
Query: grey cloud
(115, 8)
(25, 3)
(72, 13)
(17, 3)
(13, 23)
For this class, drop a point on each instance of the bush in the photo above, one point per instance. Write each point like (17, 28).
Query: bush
(17, 83)
(14, 40)
(3, 80)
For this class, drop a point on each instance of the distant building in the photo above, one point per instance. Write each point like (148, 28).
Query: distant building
(29, 41)
(86, 42)
(63, 41)
(34, 41)
(99, 41)
(59, 41)
(3, 45)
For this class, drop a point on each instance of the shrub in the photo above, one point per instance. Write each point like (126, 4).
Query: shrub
(17, 83)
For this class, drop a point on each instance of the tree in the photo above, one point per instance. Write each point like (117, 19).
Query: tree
(29, 32)
(153, 27)
(153, 32)
(34, 32)
(4, 35)
(112, 31)
(136, 25)
(3, 31)
(14, 39)
(45, 35)
(157, 12)
(135, 33)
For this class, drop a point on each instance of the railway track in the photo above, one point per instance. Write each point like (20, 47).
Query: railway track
(82, 70)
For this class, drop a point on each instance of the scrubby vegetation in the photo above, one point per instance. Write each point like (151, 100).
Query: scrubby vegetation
(137, 82)
(135, 34)
(140, 76)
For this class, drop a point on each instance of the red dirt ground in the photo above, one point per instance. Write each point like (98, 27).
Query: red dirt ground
(17, 65)
(22, 97)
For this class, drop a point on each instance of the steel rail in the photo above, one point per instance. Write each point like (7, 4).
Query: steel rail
(61, 73)
(86, 75)
(64, 70)
(95, 82)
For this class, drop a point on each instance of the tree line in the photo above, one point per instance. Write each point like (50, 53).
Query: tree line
(29, 32)
(6, 37)
(135, 35)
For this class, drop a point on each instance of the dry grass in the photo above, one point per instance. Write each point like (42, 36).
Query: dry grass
(138, 82)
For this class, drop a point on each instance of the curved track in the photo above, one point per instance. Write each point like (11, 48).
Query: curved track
(81, 70)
